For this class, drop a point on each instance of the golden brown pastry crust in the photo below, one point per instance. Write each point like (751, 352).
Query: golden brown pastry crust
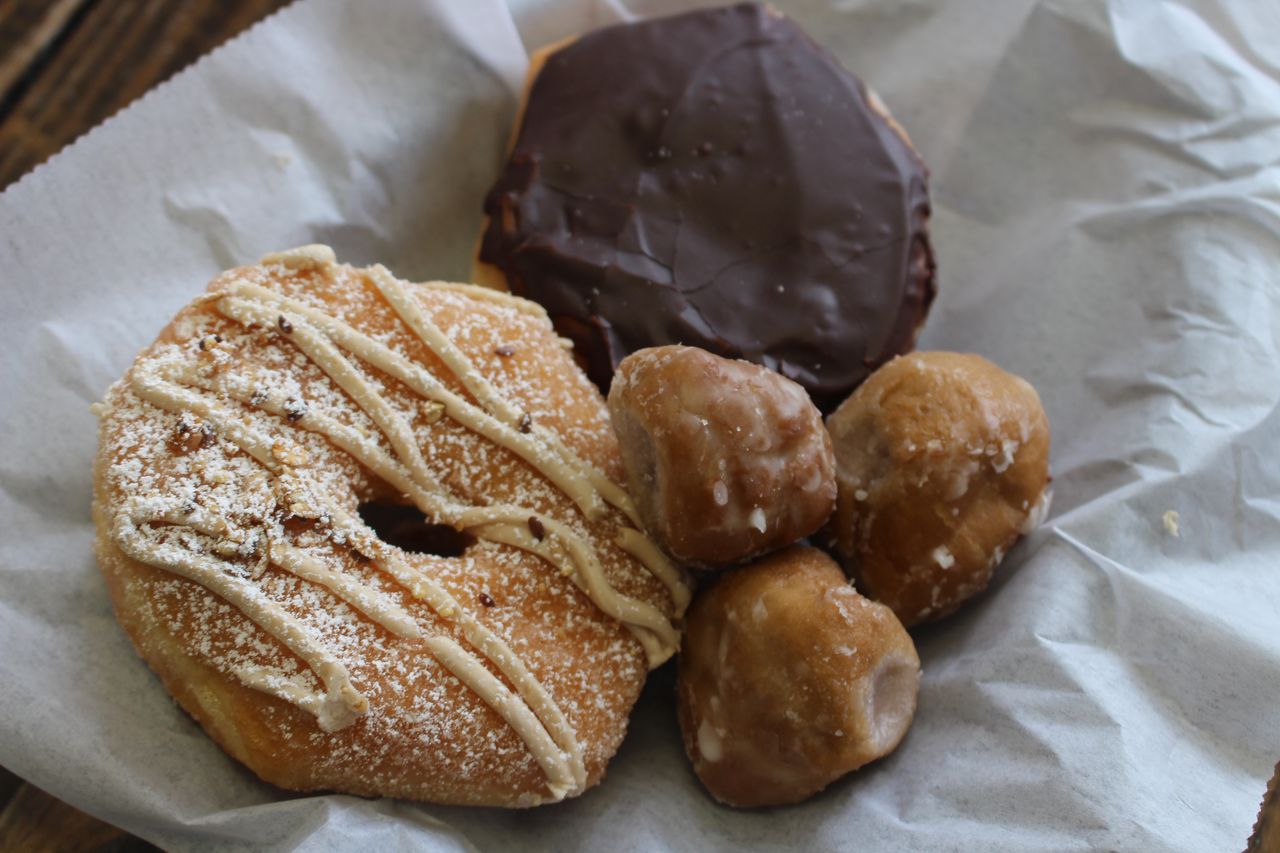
(725, 459)
(486, 274)
(395, 717)
(789, 679)
(942, 462)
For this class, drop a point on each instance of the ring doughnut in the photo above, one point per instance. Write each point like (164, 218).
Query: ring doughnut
(236, 457)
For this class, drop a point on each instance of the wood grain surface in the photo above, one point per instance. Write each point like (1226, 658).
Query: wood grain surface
(65, 66)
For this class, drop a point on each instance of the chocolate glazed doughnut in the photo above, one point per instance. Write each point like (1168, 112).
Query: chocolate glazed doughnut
(715, 179)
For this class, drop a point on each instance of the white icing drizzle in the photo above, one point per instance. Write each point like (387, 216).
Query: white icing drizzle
(271, 682)
(488, 294)
(369, 601)
(422, 587)
(643, 618)
(501, 523)
(493, 402)
(327, 357)
(555, 747)
(471, 378)
(308, 257)
(580, 564)
(506, 524)
(529, 709)
(560, 774)
(565, 468)
(421, 381)
(341, 703)
(649, 554)
(165, 394)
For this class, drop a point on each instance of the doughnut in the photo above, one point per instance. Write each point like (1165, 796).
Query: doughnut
(715, 179)
(1265, 837)
(788, 679)
(724, 459)
(942, 463)
(493, 657)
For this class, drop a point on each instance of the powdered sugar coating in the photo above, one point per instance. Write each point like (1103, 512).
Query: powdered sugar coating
(425, 733)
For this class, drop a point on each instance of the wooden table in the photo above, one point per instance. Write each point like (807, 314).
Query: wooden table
(65, 66)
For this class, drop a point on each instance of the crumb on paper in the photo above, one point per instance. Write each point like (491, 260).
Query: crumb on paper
(282, 159)
(1170, 520)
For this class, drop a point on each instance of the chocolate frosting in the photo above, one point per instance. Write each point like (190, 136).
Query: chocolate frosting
(715, 179)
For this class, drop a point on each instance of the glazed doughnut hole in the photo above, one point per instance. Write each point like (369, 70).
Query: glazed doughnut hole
(789, 679)
(942, 463)
(725, 459)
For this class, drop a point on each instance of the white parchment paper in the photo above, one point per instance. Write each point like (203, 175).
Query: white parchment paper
(1107, 220)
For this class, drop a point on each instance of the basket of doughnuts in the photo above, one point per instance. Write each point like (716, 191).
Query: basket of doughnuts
(427, 540)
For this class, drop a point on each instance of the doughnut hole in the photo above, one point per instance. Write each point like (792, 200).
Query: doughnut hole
(725, 460)
(788, 680)
(942, 463)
